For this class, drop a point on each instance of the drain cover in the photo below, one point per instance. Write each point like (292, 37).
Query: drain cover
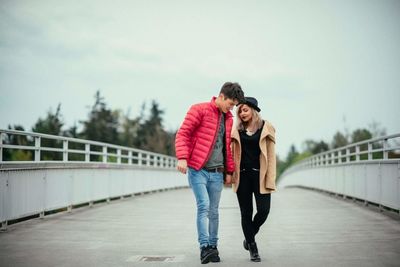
(152, 258)
(156, 258)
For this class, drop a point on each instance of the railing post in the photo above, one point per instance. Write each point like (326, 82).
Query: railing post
(140, 163)
(37, 148)
(385, 147)
(148, 159)
(347, 155)
(87, 152)
(119, 156)
(65, 150)
(130, 157)
(369, 151)
(357, 153)
(1, 147)
(104, 154)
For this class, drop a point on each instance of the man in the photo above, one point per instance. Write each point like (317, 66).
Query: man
(203, 150)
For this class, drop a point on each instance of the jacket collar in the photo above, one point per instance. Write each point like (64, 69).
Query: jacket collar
(267, 130)
(215, 108)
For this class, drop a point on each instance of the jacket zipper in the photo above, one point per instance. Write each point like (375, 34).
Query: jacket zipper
(215, 137)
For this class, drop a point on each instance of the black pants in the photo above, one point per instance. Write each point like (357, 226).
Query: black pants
(249, 185)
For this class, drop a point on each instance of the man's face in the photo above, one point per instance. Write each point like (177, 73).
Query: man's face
(226, 104)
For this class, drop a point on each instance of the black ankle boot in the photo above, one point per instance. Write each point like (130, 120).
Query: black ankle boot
(206, 254)
(254, 252)
(245, 245)
(216, 257)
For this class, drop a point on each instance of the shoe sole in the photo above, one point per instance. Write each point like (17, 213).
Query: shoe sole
(208, 257)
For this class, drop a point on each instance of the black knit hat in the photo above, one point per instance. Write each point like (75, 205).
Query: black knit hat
(252, 102)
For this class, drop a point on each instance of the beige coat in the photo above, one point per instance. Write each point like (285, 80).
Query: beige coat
(267, 159)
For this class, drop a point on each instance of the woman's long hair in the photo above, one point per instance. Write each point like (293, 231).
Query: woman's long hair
(255, 124)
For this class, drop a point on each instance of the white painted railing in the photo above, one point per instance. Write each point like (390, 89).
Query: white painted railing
(107, 152)
(82, 173)
(367, 170)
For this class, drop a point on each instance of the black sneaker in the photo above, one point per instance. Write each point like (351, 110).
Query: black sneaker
(215, 258)
(206, 254)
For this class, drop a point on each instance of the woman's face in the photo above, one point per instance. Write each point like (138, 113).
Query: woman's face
(245, 113)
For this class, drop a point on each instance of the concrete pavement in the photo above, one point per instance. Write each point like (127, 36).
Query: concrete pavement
(305, 228)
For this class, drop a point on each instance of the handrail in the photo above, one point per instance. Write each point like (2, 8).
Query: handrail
(123, 155)
(352, 154)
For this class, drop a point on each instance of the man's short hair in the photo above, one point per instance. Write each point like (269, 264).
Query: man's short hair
(233, 91)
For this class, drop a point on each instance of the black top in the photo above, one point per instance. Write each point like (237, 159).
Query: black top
(250, 157)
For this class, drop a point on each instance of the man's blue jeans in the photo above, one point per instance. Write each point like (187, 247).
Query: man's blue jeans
(207, 187)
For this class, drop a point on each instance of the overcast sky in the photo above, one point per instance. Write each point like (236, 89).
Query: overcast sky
(310, 63)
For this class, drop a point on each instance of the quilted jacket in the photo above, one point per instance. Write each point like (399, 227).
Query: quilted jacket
(196, 137)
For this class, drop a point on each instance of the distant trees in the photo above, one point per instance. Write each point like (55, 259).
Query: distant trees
(339, 140)
(151, 134)
(103, 125)
(148, 133)
(311, 147)
(51, 124)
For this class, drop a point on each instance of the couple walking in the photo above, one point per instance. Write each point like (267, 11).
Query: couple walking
(213, 151)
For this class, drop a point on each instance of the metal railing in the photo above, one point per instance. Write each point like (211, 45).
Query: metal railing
(59, 173)
(372, 150)
(73, 150)
(367, 171)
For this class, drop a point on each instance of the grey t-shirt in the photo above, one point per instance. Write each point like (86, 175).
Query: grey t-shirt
(217, 156)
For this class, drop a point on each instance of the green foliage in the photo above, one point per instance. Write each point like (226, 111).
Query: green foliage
(17, 155)
(339, 140)
(21, 155)
(151, 134)
(102, 124)
(315, 147)
(51, 124)
(360, 135)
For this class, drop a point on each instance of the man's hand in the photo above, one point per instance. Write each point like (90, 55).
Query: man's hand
(182, 166)
(228, 179)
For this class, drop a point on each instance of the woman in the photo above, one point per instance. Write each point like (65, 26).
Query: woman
(253, 147)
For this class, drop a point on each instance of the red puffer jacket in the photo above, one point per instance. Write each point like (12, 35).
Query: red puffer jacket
(196, 138)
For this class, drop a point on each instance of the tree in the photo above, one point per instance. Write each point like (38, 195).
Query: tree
(292, 154)
(15, 139)
(102, 124)
(151, 134)
(376, 129)
(339, 140)
(315, 147)
(52, 124)
(359, 135)
(130, 128)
